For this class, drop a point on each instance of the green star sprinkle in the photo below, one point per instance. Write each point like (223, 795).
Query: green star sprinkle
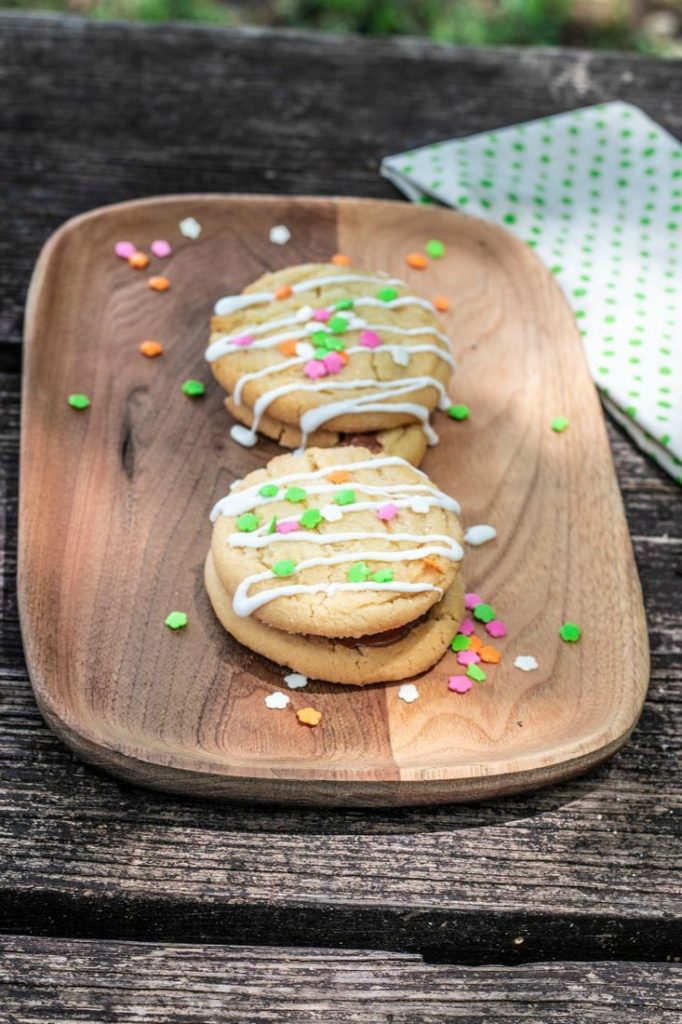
(345, 497)
(248, 522)
(319, 339)
(79, 401)
(335, 344)
(569, 632)
(434, 249)
(460, 642)
(295, 494)
(387, 294)
(338, 324)
(357, 573)
(484, 613)
(343, 304)
(383, 576)
(474, 672)
(176, 620)
(458, 412)
(310, 518)
(559, 424)
(193, 388)
(273, 525)
(320, 353)
(268, 490)
(285, 567)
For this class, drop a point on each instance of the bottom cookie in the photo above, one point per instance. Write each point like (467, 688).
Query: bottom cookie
(409, 441)
(417, 647)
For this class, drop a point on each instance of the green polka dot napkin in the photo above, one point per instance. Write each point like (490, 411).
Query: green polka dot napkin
(597, 192)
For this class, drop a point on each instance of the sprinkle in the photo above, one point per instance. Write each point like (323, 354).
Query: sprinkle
(277, 701)
(335, 344)
(434, 249)
(458, 412)
(309, 716)
(273, 525)
(287, 526)
(190, 228)
(280, 234)
(387, 512)
(490, 655)
(158, 284)
(248, 522)
(370, 339)
(319, 338)
(496, 628)
(420, 504)
(334, 362)
(268, 490)
(320, 354)
(193, 388)
(358, 572)
(304, 350)
(484, 613)
(295, 494)
(321, 315)
(468, 658)
(416, 261)
(387, 294)
(477, 535)
(475, 642)
(124, 250)
(338, 324)
(244, 340)
(315, 368)
(150, 349)
(431, 562)
(331, 513)
(338, 476)
(161, 248)
(78, 401)
(459, 684)
(285, 567)
(138, 260)
(176, 620)
(346, 497)
(284, 291)
(526, 662)
(466, 627)
(289, 347)
(400, 356)
(459, 643)
(570, 633)
(383, 576)
(342, 304)
(304, 313)
(474, 672)
(340, 260)
(408, 692)
(311, 518)
(296, 681)
(441, 303)
(559, 424)
(471, 600)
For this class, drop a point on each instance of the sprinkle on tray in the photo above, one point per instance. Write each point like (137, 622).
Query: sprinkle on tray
(526, 662)
(489, 654)
(124, 250)
(309, 716)
(338, 476)
(458, 412)
(481, 534)
(496, 628)
(474, 672)
(161, 248)
(268, 490)
(176, 620)
(460, 642)
(295, 494)
(408, 692)
(190, 228)
(559, 424)
(466, 627)
(285, 567)
(296, 681)
(358, 572)
(471, 600)
(570, 633)
(387, 294)
(434, 249)
(151, 349)
(79, 402)
(341, 260)
(441, 303)
(475, 643)
(468, 658)
(193, 388)
(345, 497)
(484, 613)
(138, 260)
(247, 522)
(459, 684)
(416, 261)
(277, 701)
(158, 284)
(280, 234)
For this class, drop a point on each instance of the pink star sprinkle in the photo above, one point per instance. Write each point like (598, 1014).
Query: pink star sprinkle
(496, 628)
(387, 512)
(243, 340)
(333, 362)
(161, 248)
(370, 339)
(466, 627)
(315, 368)
(321, 315)
(286, 526)
(468, 658)
(124, 250)
(471, 600)
(459, 684)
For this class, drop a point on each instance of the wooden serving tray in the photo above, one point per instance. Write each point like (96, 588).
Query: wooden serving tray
(115, 503)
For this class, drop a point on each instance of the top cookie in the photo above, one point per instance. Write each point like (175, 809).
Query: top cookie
(336, 543)
(321, 346)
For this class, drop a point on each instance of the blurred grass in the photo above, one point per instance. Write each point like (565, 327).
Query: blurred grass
(612, 24)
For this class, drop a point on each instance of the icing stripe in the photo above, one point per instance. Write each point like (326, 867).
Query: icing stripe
(233, 303)
(224, 345)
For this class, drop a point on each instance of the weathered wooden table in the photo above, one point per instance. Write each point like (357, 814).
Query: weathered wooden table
(119, 905)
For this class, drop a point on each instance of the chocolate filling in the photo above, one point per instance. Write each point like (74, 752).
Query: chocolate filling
(385, 639)
(363, 441)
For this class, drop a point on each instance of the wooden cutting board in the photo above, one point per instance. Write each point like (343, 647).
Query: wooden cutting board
(115, 503)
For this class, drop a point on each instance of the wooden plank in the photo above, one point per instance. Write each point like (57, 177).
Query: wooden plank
(45, 980)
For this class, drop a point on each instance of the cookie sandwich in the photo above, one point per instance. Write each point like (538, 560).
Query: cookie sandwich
(319, 355)
(340, 564)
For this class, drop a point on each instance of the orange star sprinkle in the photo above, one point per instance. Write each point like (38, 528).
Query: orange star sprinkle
(138, 260)
(339, 476)
(489, 654)
(475, 643)
(288, 347)
(341, 260)
(284, 292)
(151, 349)
(416, 261)
(158, 284)
(441, 303)
(309, 716)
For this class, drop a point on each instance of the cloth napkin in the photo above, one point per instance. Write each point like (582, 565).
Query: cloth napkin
(597, 192)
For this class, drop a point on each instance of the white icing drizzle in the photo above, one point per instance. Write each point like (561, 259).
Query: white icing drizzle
(233, 303)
